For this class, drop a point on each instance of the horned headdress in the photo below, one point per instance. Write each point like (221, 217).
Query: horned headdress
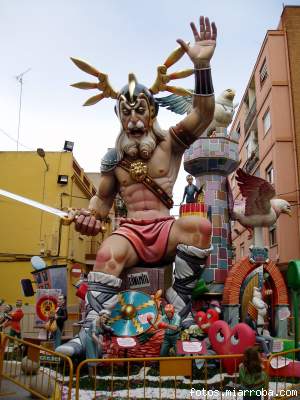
(134, 88)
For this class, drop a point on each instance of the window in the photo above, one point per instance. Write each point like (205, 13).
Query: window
(270, 174)
(267, 121)
(263, 73)
(238, 129)
(272, 235)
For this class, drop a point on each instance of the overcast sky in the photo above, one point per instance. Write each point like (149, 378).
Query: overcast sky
(117, 37)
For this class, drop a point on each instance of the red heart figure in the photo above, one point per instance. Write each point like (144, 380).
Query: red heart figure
(225, 340)
(205, 320)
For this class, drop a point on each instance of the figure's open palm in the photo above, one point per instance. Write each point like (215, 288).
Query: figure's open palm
(205, 42)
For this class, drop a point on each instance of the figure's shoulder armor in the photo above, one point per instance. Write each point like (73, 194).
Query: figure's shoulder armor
(109, 161)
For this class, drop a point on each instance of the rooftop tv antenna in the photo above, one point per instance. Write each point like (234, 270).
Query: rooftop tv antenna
(19, 78)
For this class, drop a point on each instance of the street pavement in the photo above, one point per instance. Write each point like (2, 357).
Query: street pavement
(10, 391)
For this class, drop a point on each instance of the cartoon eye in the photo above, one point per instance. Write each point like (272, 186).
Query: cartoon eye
(209, 316)
(234, 340)
(220, 337)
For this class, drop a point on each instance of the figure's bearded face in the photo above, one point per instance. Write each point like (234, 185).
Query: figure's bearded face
(138, 139)
(135, 118)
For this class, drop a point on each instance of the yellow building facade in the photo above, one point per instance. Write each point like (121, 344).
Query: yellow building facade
(26, 231)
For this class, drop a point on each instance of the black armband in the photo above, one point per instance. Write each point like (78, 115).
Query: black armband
(203, 82)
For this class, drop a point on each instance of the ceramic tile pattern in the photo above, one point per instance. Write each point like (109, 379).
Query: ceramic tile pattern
(211, 160)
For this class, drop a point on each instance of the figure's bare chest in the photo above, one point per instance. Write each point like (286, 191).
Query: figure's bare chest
(158, 166)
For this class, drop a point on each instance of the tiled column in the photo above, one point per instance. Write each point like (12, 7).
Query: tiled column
(211, 160)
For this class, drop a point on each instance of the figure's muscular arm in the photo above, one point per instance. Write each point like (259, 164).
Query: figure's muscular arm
(189, 129)
(103, 201)
(88, 222)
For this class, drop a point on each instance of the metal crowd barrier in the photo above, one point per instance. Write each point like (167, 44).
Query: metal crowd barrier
(48, 374)
(127, 378)
(39, 370)
(287, 359)
(174, 378)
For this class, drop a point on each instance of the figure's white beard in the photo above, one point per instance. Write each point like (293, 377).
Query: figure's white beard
(142, 147)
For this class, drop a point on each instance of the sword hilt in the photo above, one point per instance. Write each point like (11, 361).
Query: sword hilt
(73, 214)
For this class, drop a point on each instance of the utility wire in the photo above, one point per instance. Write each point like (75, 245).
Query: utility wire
(13, 139)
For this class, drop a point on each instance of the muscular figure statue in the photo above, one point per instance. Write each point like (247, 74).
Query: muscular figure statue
(143, 168)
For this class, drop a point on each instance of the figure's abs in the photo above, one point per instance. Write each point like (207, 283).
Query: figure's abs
(141, 203)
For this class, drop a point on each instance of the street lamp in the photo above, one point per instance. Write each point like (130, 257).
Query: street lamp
(68, 146)
(41, 153)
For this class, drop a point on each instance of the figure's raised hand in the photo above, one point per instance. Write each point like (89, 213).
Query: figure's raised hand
(205, 42)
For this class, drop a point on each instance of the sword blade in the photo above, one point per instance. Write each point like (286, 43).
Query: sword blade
(35, 204)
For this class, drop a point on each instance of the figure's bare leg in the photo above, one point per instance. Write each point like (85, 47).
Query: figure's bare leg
(191, 231)
(190, 238)
(115, 253)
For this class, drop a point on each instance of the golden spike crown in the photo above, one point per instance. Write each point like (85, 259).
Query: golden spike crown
(160, 84)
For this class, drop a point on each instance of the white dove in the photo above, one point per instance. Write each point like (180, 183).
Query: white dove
(259, 209)
(224, 111)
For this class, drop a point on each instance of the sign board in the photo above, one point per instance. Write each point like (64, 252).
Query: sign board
(138, 280)
(146, 279)
(126, 342)
(46, 302)
(76, 270)
(48, 358)
(191, 347)
(54, 277)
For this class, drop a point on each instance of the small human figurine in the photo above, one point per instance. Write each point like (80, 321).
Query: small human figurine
(258, 325)
(51, 325)
(190, 191)
(13, 319)
(61, 315)
(252, 376)
(171, 323)
(95, 333)
(5, 316)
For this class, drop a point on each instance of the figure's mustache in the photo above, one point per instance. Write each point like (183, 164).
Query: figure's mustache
(139, 125)
(143, 146)
(139, 141)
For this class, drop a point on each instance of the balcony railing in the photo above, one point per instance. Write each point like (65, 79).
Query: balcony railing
(250, 117)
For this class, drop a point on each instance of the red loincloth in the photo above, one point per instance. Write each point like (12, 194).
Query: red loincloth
(149, 237)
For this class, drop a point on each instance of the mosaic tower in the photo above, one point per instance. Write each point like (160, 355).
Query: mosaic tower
(211, 160)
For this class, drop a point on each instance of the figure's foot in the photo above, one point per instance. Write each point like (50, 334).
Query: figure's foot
(189, 264)
(101, 295)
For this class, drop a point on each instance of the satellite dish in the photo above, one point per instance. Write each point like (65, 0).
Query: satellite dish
(37, 263)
